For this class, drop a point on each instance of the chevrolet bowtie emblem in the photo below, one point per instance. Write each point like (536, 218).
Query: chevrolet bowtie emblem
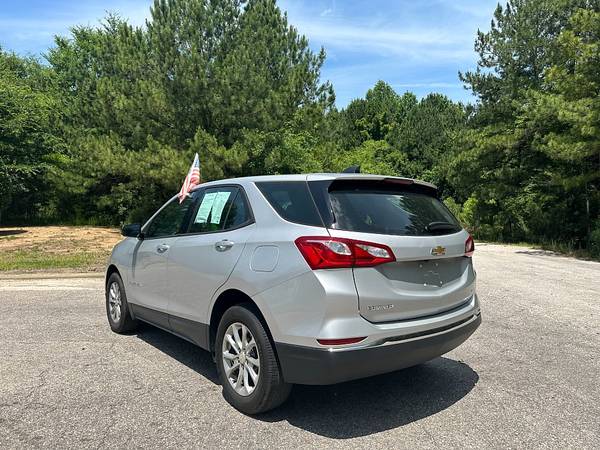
(438, 251)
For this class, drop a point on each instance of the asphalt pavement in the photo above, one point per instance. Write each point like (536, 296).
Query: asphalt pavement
(529, 377)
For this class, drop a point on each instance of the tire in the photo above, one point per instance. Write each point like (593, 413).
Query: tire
(120, 321)
(270, 390)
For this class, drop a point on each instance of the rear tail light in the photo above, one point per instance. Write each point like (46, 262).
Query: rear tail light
(469, 246)
(322, 252)
(343, 341)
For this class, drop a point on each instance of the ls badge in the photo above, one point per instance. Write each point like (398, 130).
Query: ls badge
(438, 251)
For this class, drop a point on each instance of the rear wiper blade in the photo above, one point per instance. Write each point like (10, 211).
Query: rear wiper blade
(440, 226)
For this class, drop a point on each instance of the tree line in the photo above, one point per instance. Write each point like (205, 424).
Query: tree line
(104, 129)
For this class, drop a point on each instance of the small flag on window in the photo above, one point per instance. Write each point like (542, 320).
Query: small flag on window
(192, 179)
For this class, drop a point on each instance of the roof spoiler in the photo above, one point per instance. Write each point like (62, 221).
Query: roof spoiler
(409, 182)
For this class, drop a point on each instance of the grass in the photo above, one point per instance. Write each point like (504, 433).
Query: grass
(33, 259)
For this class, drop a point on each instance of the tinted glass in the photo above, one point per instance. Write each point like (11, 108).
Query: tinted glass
(292, 201)
(170, 220)
(212, 210)
(390, 211)
(238, 212)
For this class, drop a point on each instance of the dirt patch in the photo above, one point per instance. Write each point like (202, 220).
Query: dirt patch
(58, 240)
(81, 248)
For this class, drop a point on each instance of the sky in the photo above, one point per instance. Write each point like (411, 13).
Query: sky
(414, 45)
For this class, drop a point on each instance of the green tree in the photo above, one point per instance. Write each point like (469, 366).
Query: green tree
(413, 138)
(29, 140)
(502, 165)
(515, 53)
(564, 118)
(426, 136)
(375, 116)
(373, 157)
(201, 76)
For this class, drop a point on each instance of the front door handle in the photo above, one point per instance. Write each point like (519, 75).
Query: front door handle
(223, 245)
(162, 248)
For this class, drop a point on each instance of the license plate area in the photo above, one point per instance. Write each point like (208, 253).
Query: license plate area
(427, 273)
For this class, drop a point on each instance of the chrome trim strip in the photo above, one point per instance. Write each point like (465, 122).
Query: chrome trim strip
(389, 341)
(393, 340)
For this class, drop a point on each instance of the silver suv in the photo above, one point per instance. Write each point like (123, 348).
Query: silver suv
(307, 279)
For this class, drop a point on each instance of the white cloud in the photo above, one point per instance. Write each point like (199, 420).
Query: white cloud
(475, 8)
(331, 31)
(414, 43)
(420, 31)
(435, 85)
(33, 28)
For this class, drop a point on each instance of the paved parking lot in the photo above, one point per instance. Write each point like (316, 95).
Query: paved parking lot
(529, 377)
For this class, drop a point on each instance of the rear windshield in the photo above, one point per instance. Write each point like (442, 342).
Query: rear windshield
(384, 208)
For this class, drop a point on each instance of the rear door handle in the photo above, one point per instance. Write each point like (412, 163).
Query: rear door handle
(223, 245)
(162, 248)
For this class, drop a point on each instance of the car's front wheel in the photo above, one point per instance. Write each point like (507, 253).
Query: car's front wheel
(117, 310)
(247, 364)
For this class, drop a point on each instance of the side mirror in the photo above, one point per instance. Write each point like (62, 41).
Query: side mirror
(132, 230)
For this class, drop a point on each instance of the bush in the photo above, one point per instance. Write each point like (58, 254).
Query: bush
(466, 213)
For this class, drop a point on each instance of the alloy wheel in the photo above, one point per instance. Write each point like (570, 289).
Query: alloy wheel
(114, 301)
(241, 360)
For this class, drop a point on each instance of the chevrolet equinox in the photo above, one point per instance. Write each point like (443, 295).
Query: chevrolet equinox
(300, 279)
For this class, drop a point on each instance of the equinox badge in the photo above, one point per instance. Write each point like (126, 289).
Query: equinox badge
(438, 251)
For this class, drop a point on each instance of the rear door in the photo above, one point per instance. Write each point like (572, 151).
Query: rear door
(430, 275)
(201, 259)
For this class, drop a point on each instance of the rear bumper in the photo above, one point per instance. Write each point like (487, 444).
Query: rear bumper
(310, 365)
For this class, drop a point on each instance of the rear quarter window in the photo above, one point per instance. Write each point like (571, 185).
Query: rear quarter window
(292, 201)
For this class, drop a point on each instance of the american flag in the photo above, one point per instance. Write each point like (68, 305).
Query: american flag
(192, 179)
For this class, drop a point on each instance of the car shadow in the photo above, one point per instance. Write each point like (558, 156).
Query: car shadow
(179, 349)
(12, 232)
(542, 252)
(376, 404)
(352, 409)
(538, 252)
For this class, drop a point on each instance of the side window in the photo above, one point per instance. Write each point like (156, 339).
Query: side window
(239, 212)
(219, 209)
(292, 201)
(170, 220)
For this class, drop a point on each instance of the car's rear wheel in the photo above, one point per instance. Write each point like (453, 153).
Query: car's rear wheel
(247, 364)
(117, 310)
